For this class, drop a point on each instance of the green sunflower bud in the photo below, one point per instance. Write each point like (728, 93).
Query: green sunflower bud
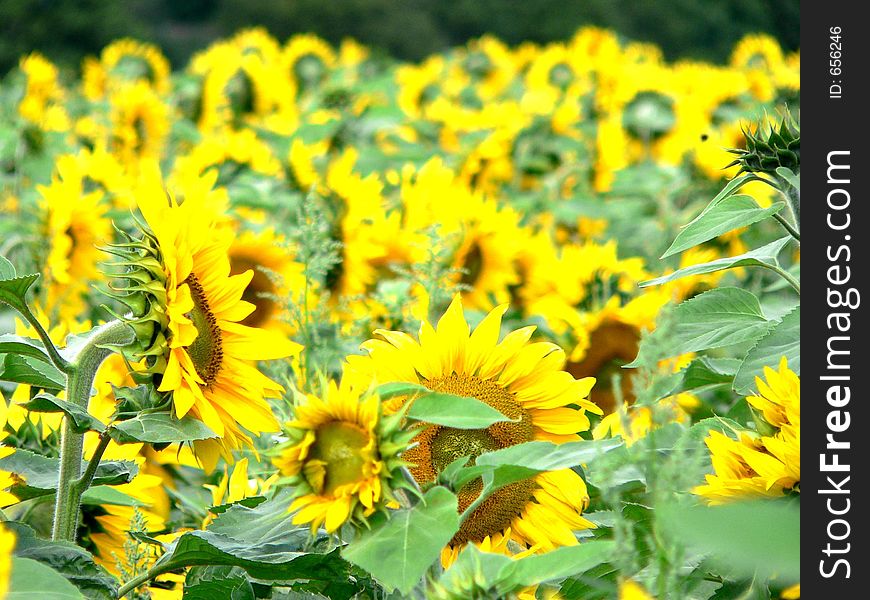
(767, 150)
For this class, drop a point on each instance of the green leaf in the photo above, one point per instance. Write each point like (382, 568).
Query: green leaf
(448, 410)
(706, 372)
(69, 560)
(459, 412)
(556, 564)
(7, 269)
(386, 391)
(40, 473)
(792, 179)
(516, 463)
(502, 577)
(13, 344)
(717, 318)
(261, 540)
(730, 188)
(80, 419)
(32, 579)
(399, 552)
(760, 257)
(160, 428)
(13, 288)
(250, 502)
(783, 339)
(97, 495)
(754, 537)
(231, 588)
(729, 214)
(30, 371)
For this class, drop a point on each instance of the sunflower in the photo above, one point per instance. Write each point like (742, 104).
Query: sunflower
(522, 380)
(308, 60)
(125, 61)
(199, 351)
(759, 56)
(140, 123)
(75, 221)
(488, 254)
(42, 103)
(755, 464)
(276, 275)
(342, 454)
(228, 151)
(241, 87)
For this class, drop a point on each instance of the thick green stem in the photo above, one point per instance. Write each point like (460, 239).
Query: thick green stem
(145, 577)
(788, 226)
(794, 202)
(80, 380)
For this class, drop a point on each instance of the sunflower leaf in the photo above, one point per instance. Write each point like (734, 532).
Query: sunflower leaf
(783, 339)
(31, 578)
(30, 371)
(67, 559)
(760, 257)
(516, 463)
(13, 288)
(735, 211)
(706, 372)
(80, 419)
(261, 540)
(748, 538)
(400, 388)
(104, 494)
(555, 565)
(721, 317)
(458, 412)
(160, 428)
(40, 473)
(22, 346)
(399, 551)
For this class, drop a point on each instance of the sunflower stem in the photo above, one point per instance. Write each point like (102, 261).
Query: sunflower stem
(57, 360)
(788, 226)
(80, 379)
(140, 579)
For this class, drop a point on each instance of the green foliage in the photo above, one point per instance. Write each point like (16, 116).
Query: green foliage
(766, 257)
(398, 552)
(729, 214)
(40, 473)
(80, 420)
(752, 539)
(31, 577)
(458, 412)
(160, 428)
(783, 339)
(64, 559)
(721, 317)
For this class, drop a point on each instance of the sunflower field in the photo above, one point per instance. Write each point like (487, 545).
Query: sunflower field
(301, 321)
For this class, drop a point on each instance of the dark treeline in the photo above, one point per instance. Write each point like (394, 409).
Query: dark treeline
(67, 30)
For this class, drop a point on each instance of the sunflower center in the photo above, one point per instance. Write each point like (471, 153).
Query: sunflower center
(439, 446)
(561, 75)
(472, 265)
(206, 351)
(338, 455)
(259, 292)
(611, 345)
(309, 69)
